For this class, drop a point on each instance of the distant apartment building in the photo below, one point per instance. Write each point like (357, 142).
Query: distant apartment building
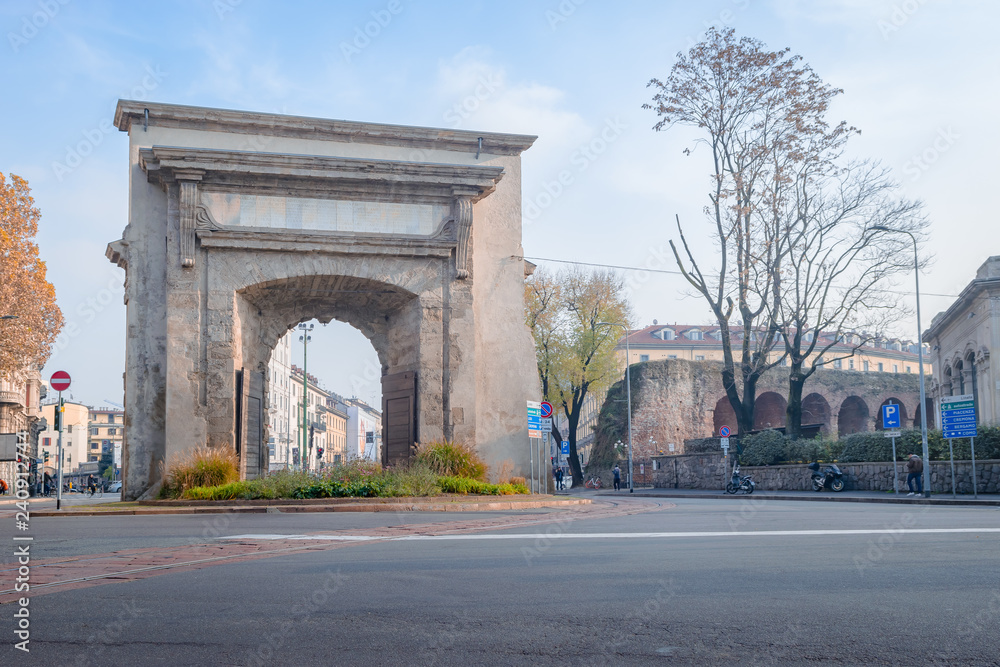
(695, 342)
(107, 434)
(75, 437)
(307, 438)
(364, 430)
(336, 431)
(20, 413)
(281, 428)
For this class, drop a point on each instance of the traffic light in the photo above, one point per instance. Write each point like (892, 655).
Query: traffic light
(58, 417)
(319, 452)
(46, 457)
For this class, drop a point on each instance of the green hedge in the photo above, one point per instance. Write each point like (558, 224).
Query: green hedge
(464, 485)
(772, 447)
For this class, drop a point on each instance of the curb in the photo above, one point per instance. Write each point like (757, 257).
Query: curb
(944, 502)
(250, 508)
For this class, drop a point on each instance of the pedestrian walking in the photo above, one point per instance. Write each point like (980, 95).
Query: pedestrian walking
(559, 478)
(617, 472)
(914, 470)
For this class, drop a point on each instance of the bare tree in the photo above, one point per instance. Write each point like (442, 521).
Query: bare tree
(575, 356)
(759, 113)
(839, 257)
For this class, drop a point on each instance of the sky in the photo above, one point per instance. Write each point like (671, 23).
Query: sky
(919, 80)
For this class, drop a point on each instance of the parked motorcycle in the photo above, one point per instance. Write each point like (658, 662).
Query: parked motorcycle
(831, 477)
(739, 482)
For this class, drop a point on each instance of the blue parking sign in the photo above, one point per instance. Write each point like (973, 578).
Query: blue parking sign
(565, 447)
(890, 416)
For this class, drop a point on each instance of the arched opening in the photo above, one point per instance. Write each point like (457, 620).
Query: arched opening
(334, 412)
(769, 411)
(724, 416)
(929, 413)
(949, 385)
(891, 401)
(958, 380)
(342, 412)
(853, 416)
(816, 410)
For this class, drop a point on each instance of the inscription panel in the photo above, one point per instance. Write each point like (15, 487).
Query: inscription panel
(247, 210)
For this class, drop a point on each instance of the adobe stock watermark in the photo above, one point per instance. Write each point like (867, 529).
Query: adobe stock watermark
(899, 16)
(32, 23)
(94, 136)
(363, 35)
(917, 165)
(581, 159)
(562, 13)
(486, 86)
(724, 19)
(223, 7)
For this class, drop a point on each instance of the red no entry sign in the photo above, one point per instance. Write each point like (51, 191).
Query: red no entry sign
(546, 409)
(60, 381)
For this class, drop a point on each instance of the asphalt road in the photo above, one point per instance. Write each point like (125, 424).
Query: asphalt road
(703, 582)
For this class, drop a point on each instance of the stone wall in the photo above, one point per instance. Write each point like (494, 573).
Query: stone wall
(708, 471)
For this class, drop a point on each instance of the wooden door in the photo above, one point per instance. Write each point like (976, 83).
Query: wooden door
(399, 417)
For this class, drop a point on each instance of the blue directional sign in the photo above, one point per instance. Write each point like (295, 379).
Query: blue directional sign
(565, 447)
(890, 417)
(958, 416)
(534, 419)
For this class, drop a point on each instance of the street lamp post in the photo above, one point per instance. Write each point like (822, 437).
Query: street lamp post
(305, 338)
(628, 392)
(920, 360)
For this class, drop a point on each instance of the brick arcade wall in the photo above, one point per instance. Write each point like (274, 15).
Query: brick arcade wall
(676, 400)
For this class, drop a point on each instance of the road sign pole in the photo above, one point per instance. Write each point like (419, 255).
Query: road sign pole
(975, 482)
(951, 450)
(59, 407)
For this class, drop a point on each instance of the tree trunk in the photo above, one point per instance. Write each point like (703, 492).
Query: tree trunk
(741, 407)
(574, 460)
(793, 412)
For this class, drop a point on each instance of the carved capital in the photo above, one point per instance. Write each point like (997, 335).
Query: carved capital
(462, 212)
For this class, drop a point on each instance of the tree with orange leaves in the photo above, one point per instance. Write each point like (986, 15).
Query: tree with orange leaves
(31, 320)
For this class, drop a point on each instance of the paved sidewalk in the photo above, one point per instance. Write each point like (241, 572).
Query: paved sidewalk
(985, 500)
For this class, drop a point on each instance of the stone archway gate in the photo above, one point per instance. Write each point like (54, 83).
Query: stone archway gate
(242, 225)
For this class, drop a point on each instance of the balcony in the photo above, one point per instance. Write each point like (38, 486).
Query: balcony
(12, 397)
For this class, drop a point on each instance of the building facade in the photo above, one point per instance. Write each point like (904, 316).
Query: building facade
(308, 437)
(107, 435)
(694, 342)
(336, 431)
(280, 409)
(75, 435)
(364, 430)
(963, 340)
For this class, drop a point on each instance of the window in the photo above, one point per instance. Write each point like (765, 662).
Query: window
(112, 431)
(666, 334)
(69, 428)
(784, 361)
(850, 364)
(699, 357)
(880, 368)
(111, 419)
(94, 431)
(696, 334)
(671, 356)
(895, 368)
(838, 363)
(94, 445)
(865, 366)
(643, 357)
(908, 370)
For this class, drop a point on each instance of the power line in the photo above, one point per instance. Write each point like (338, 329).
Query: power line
(678, 273)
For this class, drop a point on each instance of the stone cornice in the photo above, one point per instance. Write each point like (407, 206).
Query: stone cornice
(313, 175)
(964, 301)
(263, 239)
(246, 122)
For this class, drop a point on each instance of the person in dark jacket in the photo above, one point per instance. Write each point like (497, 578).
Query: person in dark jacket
(617, 472)
(914, 473)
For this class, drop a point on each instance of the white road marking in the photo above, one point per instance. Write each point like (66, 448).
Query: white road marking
(614, 536)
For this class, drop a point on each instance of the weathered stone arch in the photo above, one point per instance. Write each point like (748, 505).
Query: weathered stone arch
(769, 411)
(854, 416)
(242, 225)
(724, 415)
(816, 410)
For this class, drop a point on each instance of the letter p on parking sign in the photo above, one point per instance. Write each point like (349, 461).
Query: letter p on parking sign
(890, 416)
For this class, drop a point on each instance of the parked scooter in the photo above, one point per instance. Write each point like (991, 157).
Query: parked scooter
(831, 477)
(739, 482)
